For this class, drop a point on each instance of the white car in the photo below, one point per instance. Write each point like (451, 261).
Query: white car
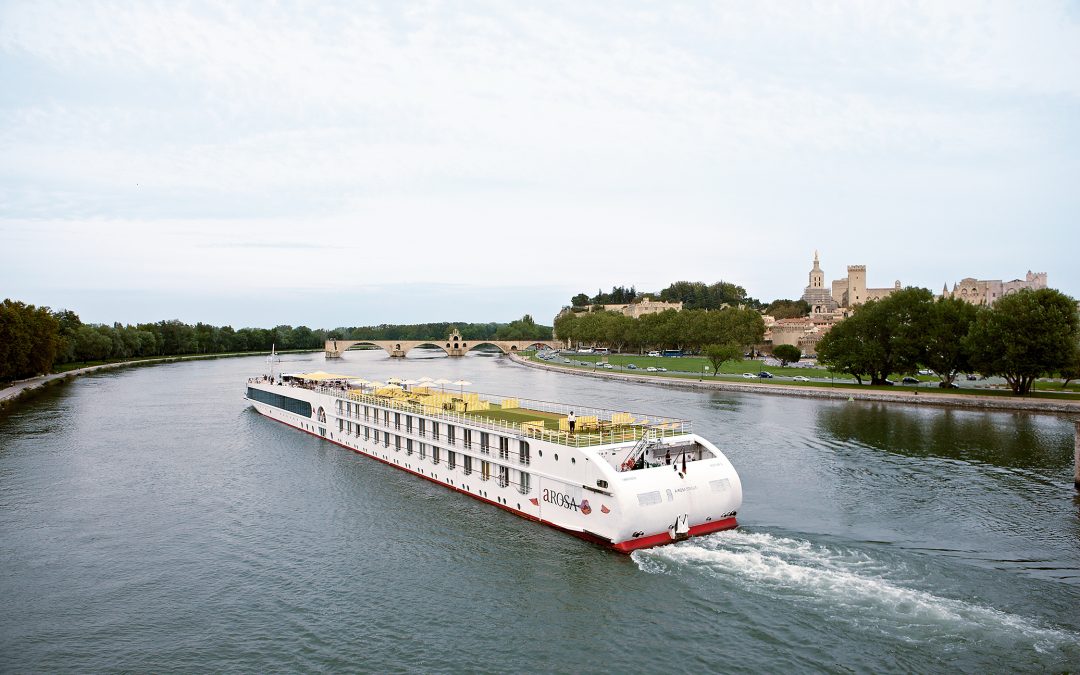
(608, 366)
(749, 376)
(654, 353)
(801, 378)
(651, 369)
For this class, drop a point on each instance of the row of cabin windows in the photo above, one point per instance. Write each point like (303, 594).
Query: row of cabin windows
(436, 428)
(437, 454)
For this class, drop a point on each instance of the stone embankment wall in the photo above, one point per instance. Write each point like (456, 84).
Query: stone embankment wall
(906, 397)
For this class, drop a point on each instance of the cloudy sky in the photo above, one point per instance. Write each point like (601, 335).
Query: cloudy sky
(321, 164)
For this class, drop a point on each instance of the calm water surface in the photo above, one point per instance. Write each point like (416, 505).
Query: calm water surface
(150, 521)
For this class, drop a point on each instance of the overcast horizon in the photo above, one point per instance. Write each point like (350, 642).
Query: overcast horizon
(335, 165)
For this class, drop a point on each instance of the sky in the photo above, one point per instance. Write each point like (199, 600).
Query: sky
(257, 164)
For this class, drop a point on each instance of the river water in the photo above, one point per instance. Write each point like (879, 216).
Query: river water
(150, 521)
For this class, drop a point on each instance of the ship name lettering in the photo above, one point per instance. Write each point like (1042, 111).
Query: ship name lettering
(560, 499)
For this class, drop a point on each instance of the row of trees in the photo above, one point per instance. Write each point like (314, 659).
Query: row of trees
(1022, 337)
(693, 295)
(34, 339)
(688, 330)
(524, 328)
(619, 295)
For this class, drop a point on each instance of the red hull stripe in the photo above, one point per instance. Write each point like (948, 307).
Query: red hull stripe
(622, 547)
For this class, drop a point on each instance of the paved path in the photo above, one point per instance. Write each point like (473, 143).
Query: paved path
(1064, 407)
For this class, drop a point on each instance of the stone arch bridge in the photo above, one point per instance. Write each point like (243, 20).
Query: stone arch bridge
(453, 345)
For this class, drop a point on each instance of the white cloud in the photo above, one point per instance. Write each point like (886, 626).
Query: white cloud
(569, 134)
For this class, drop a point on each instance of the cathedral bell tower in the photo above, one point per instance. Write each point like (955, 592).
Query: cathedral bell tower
(816, 295)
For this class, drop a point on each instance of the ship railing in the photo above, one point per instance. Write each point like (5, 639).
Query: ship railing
(605, 433)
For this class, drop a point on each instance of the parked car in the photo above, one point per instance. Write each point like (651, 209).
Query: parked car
(766, 375)
(910, 380)
(661, 369)
(926, 371)
(889, 383)
(631, 366)
(748, 376)
(651, 369)
(608, 366)
(972, 378)
(657, 354)
(801, 378)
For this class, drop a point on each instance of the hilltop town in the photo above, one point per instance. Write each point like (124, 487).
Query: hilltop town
(802, 323)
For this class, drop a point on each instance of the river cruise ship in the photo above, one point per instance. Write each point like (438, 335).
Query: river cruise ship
(620, 479)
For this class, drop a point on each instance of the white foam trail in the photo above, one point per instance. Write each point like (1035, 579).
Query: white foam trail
(853, 585)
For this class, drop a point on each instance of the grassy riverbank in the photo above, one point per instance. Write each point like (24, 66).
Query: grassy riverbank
(691, 368)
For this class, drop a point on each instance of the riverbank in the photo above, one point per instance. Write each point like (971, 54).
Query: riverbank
(16, 390)
(921, 398)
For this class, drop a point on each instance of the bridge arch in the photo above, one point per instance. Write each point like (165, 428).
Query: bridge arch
(454, 345)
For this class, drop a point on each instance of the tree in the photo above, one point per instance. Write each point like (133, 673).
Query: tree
(786, 354)
(29, 340)
(788, 309)
(1071, 370)
(882, 337)
(1025, 336)
(719, 354)
(579, 300)
(946, 350)
(844, 349)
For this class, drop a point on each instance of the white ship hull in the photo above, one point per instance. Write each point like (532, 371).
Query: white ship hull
(586, 491)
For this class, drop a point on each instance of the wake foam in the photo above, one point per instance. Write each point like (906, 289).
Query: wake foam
(846, 585)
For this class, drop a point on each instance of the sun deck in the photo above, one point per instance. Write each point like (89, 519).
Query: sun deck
(543, 420)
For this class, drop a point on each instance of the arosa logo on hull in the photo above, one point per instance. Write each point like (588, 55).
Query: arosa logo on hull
(565, 501)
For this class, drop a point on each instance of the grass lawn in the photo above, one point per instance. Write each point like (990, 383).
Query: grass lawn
(695, 364)
(551, 420)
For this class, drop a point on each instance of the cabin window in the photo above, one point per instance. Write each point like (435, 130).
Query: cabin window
(435, 430)
(504, 476)
(504, 447)
(340, 424)
(523, 452)
(302, 408)
(434, 455)
(485, 442)
(397, 420)
(466, 464)
(386, 417)
(367, 433)
(601, 483)
(422, 423)
(450, 434)
(408, 423)
(386, 439)
(367, 412)
(408, 446)
(451, 459)
(397, 443)
(466, 438)
(523, 487)
(423, 450)
(485, 470)
(378, 437)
